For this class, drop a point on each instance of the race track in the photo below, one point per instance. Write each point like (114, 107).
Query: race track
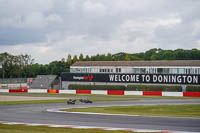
(37, 113)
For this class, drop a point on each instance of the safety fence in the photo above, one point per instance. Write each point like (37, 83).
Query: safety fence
(103, 92)
(13, 80)
(13, 86)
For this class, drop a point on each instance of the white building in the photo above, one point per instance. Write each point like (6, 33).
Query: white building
(139, 67)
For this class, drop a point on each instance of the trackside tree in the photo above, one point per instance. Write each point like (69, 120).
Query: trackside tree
(12, 65)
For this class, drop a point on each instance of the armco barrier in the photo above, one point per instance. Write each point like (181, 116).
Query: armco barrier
(104, 92)
(83, 91)
(52, 91)
(23, 87)
(152, 93)
(110, 92)
(191, 94)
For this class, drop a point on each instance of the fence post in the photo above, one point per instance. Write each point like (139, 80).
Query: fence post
(60, 83)
(183, 88)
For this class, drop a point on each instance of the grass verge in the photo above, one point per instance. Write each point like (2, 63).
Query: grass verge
(32, 102)
(93, 96)
(53, 101)
(149, 110)
(40, 129)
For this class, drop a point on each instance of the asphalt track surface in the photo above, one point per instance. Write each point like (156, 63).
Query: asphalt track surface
(37, 113)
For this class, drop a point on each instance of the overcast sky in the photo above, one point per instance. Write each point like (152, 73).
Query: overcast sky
(51, 29)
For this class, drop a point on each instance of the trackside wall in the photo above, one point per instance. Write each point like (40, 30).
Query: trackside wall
(104, 92)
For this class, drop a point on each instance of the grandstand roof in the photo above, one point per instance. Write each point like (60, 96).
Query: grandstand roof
(139, 63)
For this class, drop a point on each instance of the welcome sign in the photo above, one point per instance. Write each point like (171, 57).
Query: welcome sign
(133, 78)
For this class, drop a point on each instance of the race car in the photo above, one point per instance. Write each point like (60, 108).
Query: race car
(85, 101)
(71, 101)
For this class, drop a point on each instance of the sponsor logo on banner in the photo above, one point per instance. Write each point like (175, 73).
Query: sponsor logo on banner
(88, 77)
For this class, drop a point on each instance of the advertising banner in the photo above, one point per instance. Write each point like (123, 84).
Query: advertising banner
(133, 78)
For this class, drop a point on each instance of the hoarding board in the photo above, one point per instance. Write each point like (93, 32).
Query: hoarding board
(133, 78)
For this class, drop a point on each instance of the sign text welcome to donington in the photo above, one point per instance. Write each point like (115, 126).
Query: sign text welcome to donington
(133, 78)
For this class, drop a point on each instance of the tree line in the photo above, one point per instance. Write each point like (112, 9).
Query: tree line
(15, 66)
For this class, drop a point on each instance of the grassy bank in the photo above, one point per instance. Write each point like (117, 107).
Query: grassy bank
(150, 110)
(41, 129)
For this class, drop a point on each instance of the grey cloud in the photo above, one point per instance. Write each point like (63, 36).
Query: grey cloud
(131, 25)
(14, 36)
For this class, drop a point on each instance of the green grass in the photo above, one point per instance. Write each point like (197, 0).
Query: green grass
(94, 98)
(109, 97)
(149, 110)
(33, 102)
(40, 129)
(51, 101)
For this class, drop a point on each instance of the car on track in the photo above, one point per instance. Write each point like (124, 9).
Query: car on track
(71, 101)
(85, 101)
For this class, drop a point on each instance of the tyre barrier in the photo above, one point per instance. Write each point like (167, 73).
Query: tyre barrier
(104, 92)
